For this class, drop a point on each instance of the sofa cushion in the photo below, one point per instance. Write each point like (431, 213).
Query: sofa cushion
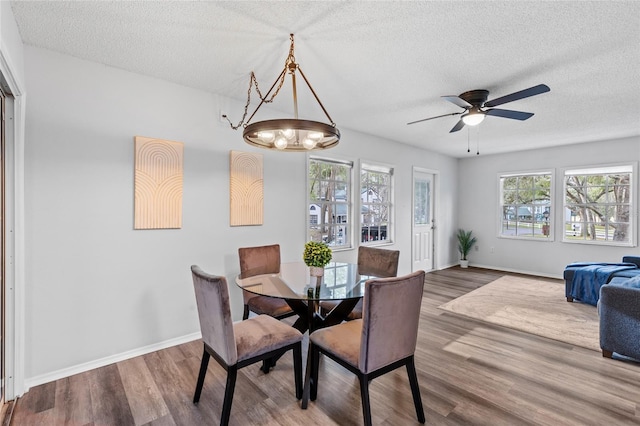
(627, 273)
(633, 282)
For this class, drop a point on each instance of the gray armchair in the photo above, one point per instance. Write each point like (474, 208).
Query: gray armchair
(619, 309)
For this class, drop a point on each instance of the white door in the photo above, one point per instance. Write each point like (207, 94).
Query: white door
(423, 220)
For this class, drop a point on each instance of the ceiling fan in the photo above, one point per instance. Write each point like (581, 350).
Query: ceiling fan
(476, 106)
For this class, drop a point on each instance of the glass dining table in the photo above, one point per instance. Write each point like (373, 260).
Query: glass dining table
(303, 293)
(340, 283)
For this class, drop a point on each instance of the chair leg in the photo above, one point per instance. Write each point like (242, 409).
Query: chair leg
(297, 368)
(415, 389)
(315, 364)
(203, 372)
(607, 354)
(364, 393)
(232, 373)
(245, 314)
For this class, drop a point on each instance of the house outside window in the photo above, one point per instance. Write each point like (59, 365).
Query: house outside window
(525, 205)
(376, 183)
(329, 203)
(598, 205)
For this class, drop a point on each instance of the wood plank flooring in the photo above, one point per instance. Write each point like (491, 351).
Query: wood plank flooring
(470, 373)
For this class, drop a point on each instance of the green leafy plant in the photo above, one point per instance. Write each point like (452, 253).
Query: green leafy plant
(465, 242)
(316, 254)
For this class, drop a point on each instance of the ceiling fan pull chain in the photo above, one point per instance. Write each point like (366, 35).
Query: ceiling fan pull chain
(478, 142)
(468, 139)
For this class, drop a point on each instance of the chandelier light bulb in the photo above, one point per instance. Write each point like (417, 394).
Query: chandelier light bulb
(280, 143)
(316, 136)
(308, 142)
(287, 133)
(267, 136)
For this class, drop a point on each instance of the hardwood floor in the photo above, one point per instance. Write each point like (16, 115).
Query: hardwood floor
(470, 373)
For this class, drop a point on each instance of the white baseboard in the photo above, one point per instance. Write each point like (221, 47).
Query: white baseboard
(497, 268)
(516, 271)
(81, 368)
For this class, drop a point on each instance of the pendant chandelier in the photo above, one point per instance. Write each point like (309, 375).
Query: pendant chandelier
(288, 134)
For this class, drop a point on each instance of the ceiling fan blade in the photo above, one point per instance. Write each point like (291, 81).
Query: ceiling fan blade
(458, 101)
(531, 91)
(457, 127)
(437, 116)
(507, 113)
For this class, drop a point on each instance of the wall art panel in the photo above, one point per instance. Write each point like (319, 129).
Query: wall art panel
(158, 183)
(246, 189)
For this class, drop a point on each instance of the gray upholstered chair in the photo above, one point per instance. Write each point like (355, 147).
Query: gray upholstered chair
(383, 340)
(236, 345)
(377, 262)
(257, 261)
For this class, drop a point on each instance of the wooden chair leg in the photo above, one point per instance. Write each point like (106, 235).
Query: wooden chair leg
(607, 354)
(232, 373)
(569, 299)
(297, 368)
(415, 389)
(203, 372)
(364, 393)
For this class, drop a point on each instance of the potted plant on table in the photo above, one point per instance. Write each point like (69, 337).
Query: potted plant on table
(316, 255)
(465, 243)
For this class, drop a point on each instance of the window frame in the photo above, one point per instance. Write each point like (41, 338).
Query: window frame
(532, 208)
(348, 226)
(604, 169)
(375, 167)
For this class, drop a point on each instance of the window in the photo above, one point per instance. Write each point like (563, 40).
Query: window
(375, 203)
(329, 187)
(598, 205)
(525, 205)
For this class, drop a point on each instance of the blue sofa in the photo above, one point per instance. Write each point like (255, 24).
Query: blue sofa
(584, 280)
(619, 311)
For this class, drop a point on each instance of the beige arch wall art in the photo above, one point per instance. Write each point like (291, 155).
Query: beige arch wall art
(158, 183)
(246, 189)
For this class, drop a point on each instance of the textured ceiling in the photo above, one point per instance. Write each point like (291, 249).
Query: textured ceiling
(378, 65)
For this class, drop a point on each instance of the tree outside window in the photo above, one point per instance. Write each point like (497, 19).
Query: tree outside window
(525, 208)
(329, 209)
(375, 203)
(598, 205)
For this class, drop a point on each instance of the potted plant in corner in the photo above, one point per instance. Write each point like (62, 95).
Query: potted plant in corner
(316, 255)
(465, 243)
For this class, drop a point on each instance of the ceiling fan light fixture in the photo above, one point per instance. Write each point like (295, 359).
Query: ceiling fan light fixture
(473, 118)
(291, 134)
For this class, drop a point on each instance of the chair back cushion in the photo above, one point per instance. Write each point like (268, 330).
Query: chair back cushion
(378, 262)
(212, 299)
(391, 313)
(257, 261)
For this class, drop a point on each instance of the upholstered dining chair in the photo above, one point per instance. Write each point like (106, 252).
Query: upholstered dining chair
(236, 345)
(383, 340)
(257, 261)
(381, 263)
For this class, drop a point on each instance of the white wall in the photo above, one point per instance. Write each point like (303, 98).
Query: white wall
(96, 290)
(478, 198)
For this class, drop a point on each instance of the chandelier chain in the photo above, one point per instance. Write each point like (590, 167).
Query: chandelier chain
(290, 64)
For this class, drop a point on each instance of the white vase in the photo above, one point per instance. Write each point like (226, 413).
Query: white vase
(316, 271)
(464, 263)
